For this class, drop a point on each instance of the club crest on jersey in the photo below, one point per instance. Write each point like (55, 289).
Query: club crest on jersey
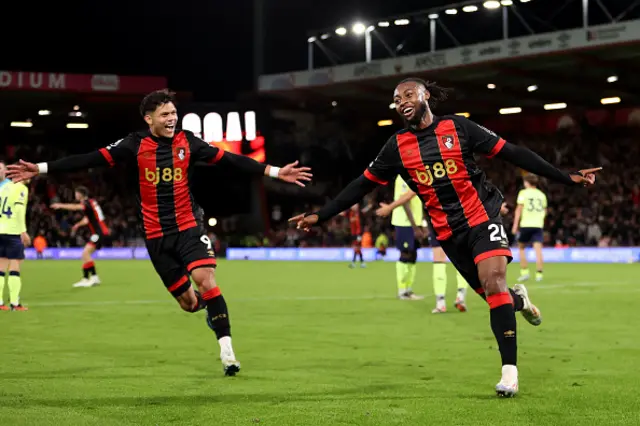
(181, 153)
(448, 141)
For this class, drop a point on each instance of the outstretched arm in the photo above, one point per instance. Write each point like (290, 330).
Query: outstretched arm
(104, 157)
(486, 142)
(383, 168)
(76, 162)
(533, 163)
(67, 206)
(24, 170)
(205, 153)
(349, 196)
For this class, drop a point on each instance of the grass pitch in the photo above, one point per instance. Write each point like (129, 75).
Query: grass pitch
(320, 344)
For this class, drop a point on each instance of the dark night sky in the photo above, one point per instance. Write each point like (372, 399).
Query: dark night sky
(203, 46)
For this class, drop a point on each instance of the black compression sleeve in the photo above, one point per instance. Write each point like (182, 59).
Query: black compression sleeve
(532, 162)
(78, 162)
(346, 198)
(245, 164)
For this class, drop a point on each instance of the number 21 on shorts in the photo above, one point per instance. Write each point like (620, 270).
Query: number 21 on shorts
(497, 232)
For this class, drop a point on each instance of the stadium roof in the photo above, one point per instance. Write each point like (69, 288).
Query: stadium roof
(577, 65)
(579, 79)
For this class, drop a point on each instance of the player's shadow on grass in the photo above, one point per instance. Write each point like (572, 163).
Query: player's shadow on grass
(359, 393)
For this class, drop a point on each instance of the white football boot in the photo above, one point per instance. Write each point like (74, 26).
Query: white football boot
(529, 311)
(508, 385)
(85, 282)
(230, 365)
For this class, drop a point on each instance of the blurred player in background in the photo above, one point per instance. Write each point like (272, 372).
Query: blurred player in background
(407, 216)
(439, 257)
(100, 233)
(382, 242)
(13, 238)
(354, 214)
(440, 279)
(529, 221)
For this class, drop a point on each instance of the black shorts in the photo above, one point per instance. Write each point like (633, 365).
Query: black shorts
(531, 235)
(467, 248)
(11, 247)
(99, 241)
(405, 238)
(175, 256)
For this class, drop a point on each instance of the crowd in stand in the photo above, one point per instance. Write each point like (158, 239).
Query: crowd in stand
(105, 185)
(606, 215)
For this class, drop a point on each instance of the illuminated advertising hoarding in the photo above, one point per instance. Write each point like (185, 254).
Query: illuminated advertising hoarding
(233, 131)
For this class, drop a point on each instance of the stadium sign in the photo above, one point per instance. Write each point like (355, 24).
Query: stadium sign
(233, 137)
(609, 33)
(367, 70)
(82, 83)
(556, 42)
(431, 61)
(32, 80)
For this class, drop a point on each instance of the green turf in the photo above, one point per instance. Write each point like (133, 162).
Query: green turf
(320, 344)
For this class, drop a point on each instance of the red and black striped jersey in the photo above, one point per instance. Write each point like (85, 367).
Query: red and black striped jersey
(438, 164)
(160, 172)
(96, 218)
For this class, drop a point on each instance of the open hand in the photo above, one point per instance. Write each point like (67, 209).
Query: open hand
(384, 210)
(21, 171)
(586, 176)
(292, 174)
(304, 222)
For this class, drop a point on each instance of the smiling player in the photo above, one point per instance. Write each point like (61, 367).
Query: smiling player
(435, 156)
(159, 165)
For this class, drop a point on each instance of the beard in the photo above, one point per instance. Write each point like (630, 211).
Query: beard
(418, 115)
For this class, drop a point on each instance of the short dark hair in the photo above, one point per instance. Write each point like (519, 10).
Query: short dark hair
(438, 93)
(154, 99)
(532, 179)
(82, 190)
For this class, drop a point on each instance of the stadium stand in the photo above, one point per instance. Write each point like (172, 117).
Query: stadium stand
(610, 212)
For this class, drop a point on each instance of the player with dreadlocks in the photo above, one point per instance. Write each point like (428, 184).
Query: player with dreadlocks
(435, 156)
